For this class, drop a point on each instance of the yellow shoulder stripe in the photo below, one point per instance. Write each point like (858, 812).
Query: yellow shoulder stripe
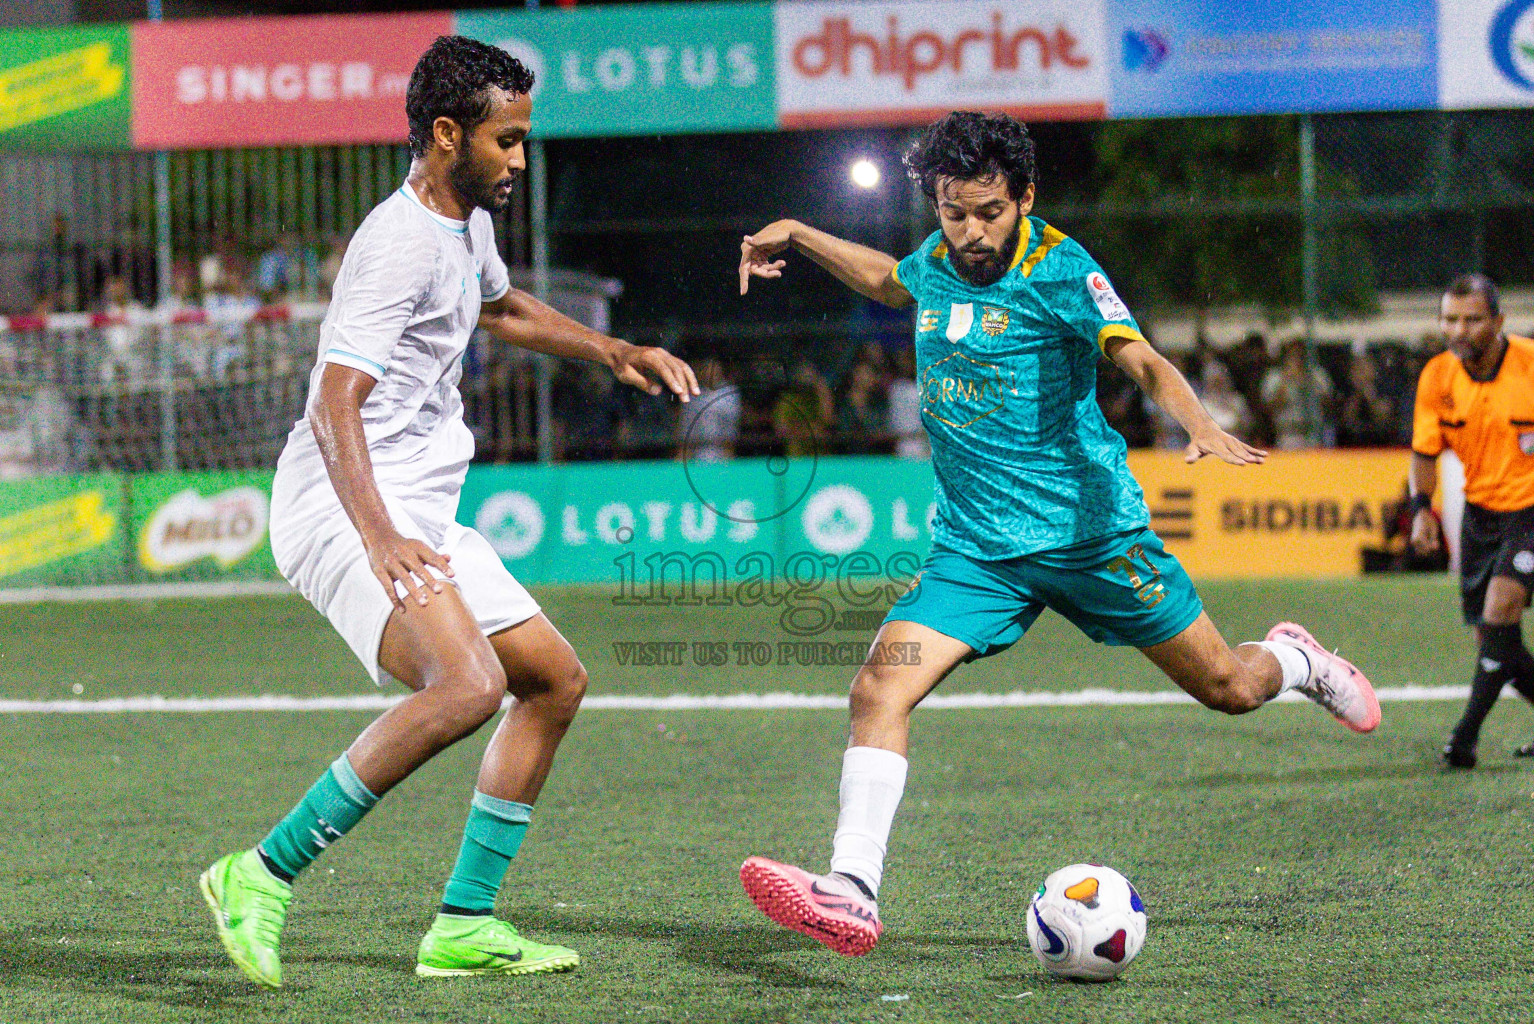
(1117, 331)
(1052, 237)
(941, 252)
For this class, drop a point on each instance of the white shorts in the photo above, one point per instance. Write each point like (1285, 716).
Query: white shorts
(335, 577)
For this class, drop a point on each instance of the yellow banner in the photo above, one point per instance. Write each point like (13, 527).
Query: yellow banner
(58, 84)
(58, 529)
(1300, 514)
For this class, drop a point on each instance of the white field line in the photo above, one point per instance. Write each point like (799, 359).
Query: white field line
(676, 702)
(148, 591)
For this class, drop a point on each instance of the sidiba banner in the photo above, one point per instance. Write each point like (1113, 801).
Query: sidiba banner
(634, 69)
(65, 88)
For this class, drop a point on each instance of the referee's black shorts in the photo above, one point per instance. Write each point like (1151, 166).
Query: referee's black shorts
(1493, 544)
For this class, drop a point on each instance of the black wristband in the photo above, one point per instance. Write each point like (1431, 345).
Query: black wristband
(1421, 503)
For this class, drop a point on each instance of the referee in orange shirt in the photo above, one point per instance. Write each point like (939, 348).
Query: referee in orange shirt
(1478, 399)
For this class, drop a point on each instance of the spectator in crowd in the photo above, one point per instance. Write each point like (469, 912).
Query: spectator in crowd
(904, 405)
(125, 355)
(1296, 395)
(287, 269)
(1366, 417)
(1119, 397)
(862, 422)
(229, 303)
(1225, 404)
(589, 418)
(804, 412)
(61, 268)
(709, 426)
(1248, 363)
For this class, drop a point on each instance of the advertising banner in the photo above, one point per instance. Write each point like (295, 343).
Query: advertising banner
(1486, 53)
(301, 81)
(636, 69)
(911, 62)
(203, 525)
(65, 88)
(638, 526)
(1198, 57)
(1300, 514)
(61, 530)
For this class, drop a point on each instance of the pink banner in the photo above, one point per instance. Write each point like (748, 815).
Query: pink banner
(276, 81)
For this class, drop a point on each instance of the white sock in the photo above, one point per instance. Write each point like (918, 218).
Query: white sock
(872, 783)
(1292, 660)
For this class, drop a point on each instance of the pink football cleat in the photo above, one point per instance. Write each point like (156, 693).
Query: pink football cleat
(828, 908)
(1335, 683)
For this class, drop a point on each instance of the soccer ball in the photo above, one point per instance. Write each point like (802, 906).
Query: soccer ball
(1086, 922)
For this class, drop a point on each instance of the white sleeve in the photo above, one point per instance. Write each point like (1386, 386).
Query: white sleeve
(374, 301)
(493, 282)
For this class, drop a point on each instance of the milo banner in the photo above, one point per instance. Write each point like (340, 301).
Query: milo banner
(202, 526)
(65, 88)
(639, 526)
(61, 531)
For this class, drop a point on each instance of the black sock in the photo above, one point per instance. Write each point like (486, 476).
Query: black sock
(448, 908)
(271, 866)
(1495, 666)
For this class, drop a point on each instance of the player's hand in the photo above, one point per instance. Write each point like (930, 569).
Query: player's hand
(648, 369)
(1426, 534)
(1223, 446)
(757, 252)
(397, 559)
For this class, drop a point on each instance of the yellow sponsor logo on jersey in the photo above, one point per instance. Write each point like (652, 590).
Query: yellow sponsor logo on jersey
(928, 320)
(993, 321)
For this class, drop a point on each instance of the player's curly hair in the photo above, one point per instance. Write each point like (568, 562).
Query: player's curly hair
(968, 145)
(452, 79)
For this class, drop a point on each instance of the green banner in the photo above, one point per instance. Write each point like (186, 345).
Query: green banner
(631, 524)
(65, 88)
(637, 69)
(61, 531)
(202, 526)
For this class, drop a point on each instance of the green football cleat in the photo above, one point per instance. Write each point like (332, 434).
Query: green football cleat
(249, 907)
(457, 946)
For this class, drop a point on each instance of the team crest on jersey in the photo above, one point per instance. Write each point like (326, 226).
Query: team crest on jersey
(993, 321)
(928, 320)
(1446, 401)
(1526, 443)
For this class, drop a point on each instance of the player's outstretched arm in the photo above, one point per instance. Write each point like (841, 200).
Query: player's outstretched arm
(1167, 388)
(868, 272)
(337, 424)
(519, 319)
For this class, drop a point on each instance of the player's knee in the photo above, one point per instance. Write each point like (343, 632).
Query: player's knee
(875, 690)
(473, 693)
(565, 694)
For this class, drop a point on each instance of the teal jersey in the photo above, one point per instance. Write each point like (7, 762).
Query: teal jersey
(1024, 459)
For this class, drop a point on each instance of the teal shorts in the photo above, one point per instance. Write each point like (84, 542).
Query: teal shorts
(1123, 590)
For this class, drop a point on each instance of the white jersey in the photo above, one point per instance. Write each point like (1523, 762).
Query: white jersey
(403, 308)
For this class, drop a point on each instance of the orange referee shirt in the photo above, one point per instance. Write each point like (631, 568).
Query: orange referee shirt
(1488, 424)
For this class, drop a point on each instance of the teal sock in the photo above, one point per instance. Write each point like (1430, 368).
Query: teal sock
(327, 812)
(491, 837)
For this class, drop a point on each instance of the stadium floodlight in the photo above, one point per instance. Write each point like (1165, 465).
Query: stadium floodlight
(864, 172)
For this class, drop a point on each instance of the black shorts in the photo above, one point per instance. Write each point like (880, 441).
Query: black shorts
(1493, 544)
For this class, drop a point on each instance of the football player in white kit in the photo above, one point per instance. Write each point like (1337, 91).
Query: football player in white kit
(363, 524)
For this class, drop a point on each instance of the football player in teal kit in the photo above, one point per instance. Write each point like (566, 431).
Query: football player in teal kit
(1035, 504)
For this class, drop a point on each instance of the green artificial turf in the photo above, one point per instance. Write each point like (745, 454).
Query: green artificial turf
(1292, 870)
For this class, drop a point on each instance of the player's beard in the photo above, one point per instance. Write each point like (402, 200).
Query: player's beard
(996, 263)
(475, 189)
